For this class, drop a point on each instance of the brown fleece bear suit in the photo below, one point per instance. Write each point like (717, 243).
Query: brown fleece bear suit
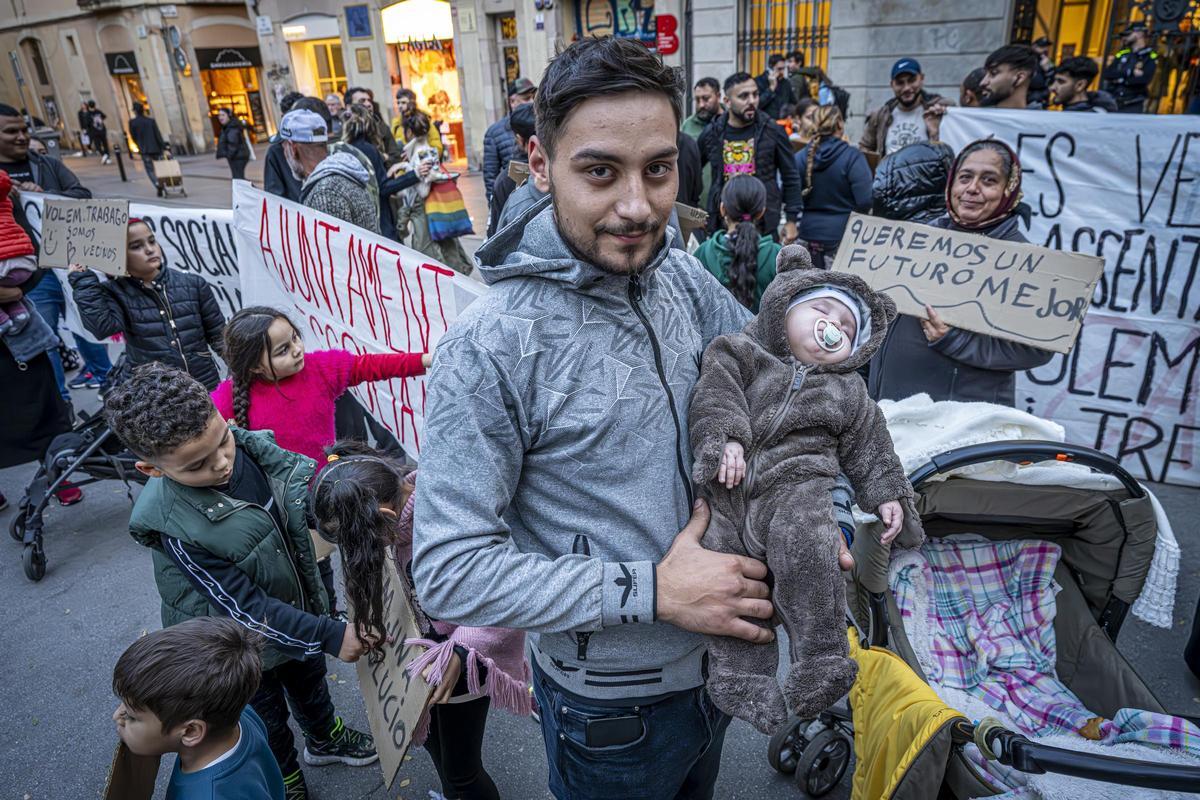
(799, 425)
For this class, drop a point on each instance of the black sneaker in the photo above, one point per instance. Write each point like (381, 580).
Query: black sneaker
(344, 746)
(294, 787)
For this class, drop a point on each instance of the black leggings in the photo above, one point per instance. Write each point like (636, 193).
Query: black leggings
(238, 167)
(455, 744)
(1191, 651)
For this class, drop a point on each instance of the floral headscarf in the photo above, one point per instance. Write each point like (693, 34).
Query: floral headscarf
(1012, 189)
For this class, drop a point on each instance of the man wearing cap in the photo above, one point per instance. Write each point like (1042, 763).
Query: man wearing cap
(911, 116)
(498, 141)
(1128, 75)
(337, 184)
(1043, 76)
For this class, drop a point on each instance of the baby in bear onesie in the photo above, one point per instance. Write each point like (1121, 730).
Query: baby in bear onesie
(778, 412)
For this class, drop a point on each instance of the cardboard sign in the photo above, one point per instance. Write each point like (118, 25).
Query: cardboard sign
(394, 701)
(691, 219)
(1010, 290)
(131, 777)
(88, 232)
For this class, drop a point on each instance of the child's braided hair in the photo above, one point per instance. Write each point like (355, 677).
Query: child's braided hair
(246, 342)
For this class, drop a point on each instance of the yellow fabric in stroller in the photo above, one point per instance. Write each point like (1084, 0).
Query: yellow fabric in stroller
(896, 715)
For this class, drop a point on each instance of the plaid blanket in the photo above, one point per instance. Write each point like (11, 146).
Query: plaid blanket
(980, 615)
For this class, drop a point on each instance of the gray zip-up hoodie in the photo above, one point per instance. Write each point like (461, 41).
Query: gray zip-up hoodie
(562, 396)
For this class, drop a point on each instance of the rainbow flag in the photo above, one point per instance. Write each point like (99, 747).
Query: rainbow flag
(446, 211)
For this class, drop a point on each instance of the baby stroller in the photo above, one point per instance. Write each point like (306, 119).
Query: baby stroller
(86, 454)
(1107, 541)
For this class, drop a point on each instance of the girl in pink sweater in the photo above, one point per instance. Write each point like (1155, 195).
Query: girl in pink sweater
(274, 385)
(363, 501)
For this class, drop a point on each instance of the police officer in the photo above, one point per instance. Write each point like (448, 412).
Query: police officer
(1129, 74)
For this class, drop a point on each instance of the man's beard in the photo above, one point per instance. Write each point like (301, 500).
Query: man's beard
(742, 115)
(294, 166)
(989, 99)
(590, 251)
(704, 114)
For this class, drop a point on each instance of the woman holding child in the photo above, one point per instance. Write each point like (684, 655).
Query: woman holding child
(983, 196)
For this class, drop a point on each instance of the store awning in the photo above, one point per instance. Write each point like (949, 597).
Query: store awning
(417, 21)
(311, 26)
(228, 57)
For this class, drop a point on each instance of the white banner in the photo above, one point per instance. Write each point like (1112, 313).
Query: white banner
(1127, 188)
(352, 290)
(193, 240)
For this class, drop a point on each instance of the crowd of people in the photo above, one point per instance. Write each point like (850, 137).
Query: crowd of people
(637, 640)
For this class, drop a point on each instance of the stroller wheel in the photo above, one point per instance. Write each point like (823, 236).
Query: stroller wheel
(823, 763)
(16, 528)
(784, 750)
(34, 561)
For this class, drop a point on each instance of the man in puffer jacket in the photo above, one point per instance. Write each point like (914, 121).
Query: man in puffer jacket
(166, 315)
(910, 184)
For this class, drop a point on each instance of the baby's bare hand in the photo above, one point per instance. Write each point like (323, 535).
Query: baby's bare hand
(891, 514)
(733, 465)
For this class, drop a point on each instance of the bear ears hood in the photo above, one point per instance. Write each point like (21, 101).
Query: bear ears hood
(794, 274)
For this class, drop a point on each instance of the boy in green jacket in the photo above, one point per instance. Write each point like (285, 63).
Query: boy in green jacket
(224, 514)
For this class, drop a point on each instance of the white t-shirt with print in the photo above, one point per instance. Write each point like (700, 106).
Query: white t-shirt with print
(907, 127)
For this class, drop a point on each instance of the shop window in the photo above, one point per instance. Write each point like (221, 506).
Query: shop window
(506, 32)
(780, 26)
(237, 90)
(330, 68)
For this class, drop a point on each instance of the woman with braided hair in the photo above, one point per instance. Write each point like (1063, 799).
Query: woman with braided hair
(274, 385)
(836, 181)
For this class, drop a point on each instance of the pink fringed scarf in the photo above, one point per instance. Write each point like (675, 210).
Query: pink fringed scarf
(498, 650)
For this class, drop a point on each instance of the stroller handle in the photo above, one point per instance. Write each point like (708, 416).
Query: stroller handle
(1028, 756)
(1023, 451)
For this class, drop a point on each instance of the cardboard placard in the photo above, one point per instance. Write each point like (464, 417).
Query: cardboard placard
(394, 701)
(1010, 290)
(131, 777)
(87, 232)
(691, 219)
(518, 171)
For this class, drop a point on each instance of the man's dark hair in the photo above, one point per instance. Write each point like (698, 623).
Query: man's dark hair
(523, 120)
(288, 101)
(974, 80)
(598, 67)
(206, 668)
(797, 56)
(409, 93)
(1017, 56)
(139, 109)
(91, 103)
(315, 105)
(1080, 68)
(710, 83)
(353, 90)
(158, 409)
(8, 111)
(773, 59)
(736, 78)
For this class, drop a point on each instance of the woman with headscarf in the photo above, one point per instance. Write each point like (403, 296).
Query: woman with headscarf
(983, 196)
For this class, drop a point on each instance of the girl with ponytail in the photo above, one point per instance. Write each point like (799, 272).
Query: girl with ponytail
(274, 385)
(363, 502)
(836, 180)
(738, 256)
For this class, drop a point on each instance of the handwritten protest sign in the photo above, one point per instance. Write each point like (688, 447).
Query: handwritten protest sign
(131, 777)
(350, 289)
(1125, 188)
(394, 700)
(88, 232)
(1010, 290)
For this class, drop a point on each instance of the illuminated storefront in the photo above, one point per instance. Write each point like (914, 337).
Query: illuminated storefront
(123, 68)
(230, 77)
(420, 39)
(315, 47)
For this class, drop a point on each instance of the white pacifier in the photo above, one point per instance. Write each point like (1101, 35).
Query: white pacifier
(830, 338)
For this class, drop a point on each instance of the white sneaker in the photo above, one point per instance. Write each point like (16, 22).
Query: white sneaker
(106, 160)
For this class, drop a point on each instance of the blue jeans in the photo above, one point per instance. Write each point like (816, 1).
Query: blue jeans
(676, 757)
(48, 298)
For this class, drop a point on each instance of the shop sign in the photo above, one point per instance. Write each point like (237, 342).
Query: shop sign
(626, 19)
(124, 63)
(228, 57)
(263, 25)
(668, 42)
(358, 22)
(423, 44)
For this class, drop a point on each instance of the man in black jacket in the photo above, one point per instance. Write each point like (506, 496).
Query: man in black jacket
(744, 142)
(522, 124)
(150, 144)
(774, 88)
(1069, 87)
(31, 172)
